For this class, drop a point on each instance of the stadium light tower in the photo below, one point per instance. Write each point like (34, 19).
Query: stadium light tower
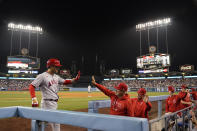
(24, 28)
(154, 24)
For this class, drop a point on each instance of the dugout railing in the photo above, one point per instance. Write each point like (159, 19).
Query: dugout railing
(162, 123)
(91, 121)
(93, 106)
(177, 121)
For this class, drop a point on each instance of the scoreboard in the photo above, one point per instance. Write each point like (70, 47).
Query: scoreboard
(155, 61)
(23, 62)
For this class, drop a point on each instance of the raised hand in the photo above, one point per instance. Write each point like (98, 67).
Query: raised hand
(93, 80)
(146, 98)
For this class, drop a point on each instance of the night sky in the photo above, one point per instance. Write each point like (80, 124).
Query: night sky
(73, 29)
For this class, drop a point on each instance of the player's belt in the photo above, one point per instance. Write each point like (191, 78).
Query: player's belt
(56, 100)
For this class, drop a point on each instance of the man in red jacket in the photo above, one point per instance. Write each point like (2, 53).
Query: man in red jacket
(171, 101)
(139, 107)
(119, 99)
(194, 96)
(194, 93)
(183, 98)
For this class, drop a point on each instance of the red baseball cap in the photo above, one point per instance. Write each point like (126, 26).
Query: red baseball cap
(122, 87)
(141, 91)
(183, 87)
(53, 62)
(171, 88)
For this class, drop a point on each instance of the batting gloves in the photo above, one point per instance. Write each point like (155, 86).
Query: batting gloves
(35, 102)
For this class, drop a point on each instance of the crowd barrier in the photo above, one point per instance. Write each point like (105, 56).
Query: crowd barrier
(91, 121)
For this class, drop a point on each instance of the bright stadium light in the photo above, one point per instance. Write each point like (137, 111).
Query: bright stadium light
(25, 28)
(153, 24)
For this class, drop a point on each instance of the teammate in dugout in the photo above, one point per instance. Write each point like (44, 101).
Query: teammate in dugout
(171, 101)
(139, 107)
(194, 97)
(49, 83)
(171, 106)
(119, 99)
(183, 98)
(194, 94)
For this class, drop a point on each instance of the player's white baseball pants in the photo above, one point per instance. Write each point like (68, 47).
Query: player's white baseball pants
(51, 105)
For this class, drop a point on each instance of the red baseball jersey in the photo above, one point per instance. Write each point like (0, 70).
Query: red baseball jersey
(171, 103)
(138, 108)
(185, 97)
(194, 94)
(118, 105)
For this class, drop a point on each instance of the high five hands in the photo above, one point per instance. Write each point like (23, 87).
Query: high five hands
(146, 98)
(93, 80)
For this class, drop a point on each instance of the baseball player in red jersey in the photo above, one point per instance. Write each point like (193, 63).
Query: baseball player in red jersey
(119, 99)
(183, 98)
(193, 93)
(139, 107)
(49, 86)
(171, 101)
(194, 96)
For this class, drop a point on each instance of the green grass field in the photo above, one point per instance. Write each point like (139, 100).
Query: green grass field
(67, 101)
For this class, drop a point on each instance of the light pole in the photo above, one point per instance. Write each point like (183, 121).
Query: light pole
(151, 25)
(11, 43)
(148, 39)
(20, 43)
(166, 39)
(37, 46)
(140, 43)
(157, 40)
(29, 42)
(24, 28)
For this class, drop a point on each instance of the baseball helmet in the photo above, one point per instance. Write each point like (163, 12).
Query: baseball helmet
(53, 62)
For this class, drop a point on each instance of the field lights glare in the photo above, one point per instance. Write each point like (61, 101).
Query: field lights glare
(153, 24)
(26, 28)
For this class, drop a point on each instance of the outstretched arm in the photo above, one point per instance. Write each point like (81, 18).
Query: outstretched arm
(102, 88)
(184, 102)
(66, 82)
